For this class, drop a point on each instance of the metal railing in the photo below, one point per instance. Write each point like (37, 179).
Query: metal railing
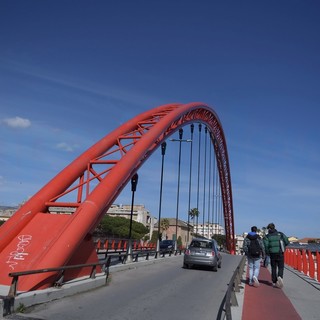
(120, 256)
(60, 277)
(107, 246)
(230, 298)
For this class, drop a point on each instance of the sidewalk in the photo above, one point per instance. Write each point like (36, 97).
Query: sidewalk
(298, 299)
(267, 302)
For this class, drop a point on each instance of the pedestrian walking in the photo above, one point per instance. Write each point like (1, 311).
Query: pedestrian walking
(275, 243)
(266, 260)
(253, 247)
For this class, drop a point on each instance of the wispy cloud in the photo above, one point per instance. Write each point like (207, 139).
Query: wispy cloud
(66, 147)
(109, 91)
(17, 122)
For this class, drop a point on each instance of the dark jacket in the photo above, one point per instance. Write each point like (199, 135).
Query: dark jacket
(272, 242)
(246, 244)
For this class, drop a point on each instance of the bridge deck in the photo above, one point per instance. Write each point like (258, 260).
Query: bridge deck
(299, 299)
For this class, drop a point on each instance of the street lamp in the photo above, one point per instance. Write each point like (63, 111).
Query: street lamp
(204, 181)
(198, 184)
(190, 176)
(180, 140)
(134, 182)
(163, 152)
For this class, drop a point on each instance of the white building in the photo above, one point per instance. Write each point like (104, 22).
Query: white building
(208, 229)
(7, 212)
(239, 244)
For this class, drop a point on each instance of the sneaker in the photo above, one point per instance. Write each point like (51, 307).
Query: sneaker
(255, 281)
(250, 284)
(274, 285)
(280, 282)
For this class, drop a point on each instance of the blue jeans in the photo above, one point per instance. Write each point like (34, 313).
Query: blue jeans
(254, 268)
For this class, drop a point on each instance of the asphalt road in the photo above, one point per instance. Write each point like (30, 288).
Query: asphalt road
(153, 292)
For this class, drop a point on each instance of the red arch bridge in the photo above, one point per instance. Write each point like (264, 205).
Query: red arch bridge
(36, 237)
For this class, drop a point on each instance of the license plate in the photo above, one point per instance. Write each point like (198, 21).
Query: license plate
(199, 253)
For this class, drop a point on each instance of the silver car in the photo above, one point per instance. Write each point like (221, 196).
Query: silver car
(202, 252)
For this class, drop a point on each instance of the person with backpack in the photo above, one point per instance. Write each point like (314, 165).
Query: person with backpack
(253, 247)
(275, 244)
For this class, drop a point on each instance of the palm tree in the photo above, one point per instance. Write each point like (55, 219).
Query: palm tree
(194, 213)
(164, 224)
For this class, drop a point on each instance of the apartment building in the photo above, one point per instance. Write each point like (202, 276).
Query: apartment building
(208, 229)
(139, 214)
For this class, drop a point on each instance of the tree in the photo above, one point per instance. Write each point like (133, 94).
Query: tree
(193, 213)
(164, 226)
(221, 240)
(154, 237)
(118, 227)
(179, 242)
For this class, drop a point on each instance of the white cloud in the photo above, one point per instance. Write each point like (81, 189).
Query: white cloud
(64, 146)
(17, 122)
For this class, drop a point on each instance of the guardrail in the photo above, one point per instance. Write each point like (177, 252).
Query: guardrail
(306, 261)
(8, 301)
(120, 253)
(116, 250)
(121, 245)
(61, 270)
(230, 298)
(121, 256)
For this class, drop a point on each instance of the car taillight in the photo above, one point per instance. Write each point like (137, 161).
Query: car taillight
(211, 254)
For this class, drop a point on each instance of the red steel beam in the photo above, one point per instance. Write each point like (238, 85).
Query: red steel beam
(121, 153)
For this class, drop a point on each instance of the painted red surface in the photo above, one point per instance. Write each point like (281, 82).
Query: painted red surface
(266, 302)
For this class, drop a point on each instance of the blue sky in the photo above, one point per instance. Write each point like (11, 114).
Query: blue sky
(73, 71)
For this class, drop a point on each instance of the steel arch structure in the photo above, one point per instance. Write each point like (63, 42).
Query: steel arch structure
(54, 227)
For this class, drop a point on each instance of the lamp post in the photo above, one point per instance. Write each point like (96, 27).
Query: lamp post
(204, 182)
(134, 182)
(190, 177)
(178, 188)
(198, 184)
(163, 152)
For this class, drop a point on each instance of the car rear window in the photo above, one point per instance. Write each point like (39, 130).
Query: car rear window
(201, 244)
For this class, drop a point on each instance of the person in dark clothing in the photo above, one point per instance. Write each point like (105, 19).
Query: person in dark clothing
(254, 259)
(275, 243)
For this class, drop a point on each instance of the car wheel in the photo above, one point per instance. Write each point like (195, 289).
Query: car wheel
(215, 269)
(185, 266)
(219, 265)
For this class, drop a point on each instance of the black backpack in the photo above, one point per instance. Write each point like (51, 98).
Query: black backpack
(254, 248)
